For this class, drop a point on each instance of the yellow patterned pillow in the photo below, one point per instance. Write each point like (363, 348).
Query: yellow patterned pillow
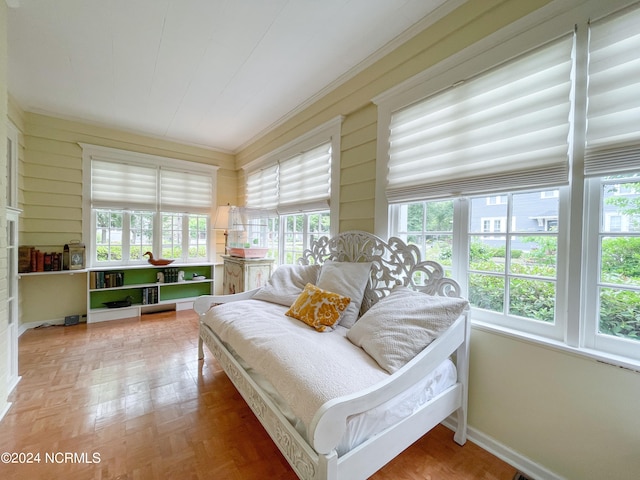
(318, 308)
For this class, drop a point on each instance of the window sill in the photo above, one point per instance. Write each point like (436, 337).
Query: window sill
(595, 355)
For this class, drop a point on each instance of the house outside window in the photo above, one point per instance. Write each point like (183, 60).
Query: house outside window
(140, 203)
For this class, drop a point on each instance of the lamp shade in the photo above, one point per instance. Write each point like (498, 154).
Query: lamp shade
(222, 217)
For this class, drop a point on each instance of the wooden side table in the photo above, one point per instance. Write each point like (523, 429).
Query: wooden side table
(242, 274)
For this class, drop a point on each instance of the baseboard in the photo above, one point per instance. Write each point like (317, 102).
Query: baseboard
(517, 460)
(13, 384)
(29, 325)
(4, 412)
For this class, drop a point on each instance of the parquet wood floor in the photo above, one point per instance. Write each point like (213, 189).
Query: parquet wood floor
(128, 399)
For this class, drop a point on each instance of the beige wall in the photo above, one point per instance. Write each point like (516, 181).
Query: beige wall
(4, 321)
(575, 416)
(569, 415)
(51, 198)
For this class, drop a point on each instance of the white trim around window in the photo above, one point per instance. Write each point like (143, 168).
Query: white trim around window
(200, 178)
(327, 132)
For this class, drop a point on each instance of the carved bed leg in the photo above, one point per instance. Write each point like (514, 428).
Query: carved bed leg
(200, 349)
(460, 437)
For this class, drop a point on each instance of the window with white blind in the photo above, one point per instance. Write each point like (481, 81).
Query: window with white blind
(503, 130)
(304, 181)
(539, 130)
(141, 203)
(298, 189)
(298, 184)
(612, 168)
(295, 182)
(262, 188)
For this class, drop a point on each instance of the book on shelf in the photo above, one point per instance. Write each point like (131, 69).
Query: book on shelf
(170, 275)
(100, 279)
(30, 259)
(149, 295)
(24, 259)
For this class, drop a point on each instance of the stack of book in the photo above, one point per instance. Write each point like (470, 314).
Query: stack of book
(149, 295)
(30, 259)
(108, 279)
(170, 275)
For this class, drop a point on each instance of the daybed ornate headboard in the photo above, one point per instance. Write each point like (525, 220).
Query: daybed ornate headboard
(393, 263)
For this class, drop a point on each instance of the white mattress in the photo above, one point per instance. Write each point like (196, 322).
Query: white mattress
(311, 368)
(362, 427)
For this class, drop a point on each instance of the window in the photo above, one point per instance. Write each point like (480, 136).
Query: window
(295, 182)
(429, 226)
(614, 311)
(513, 274)
(299, 184)
(299, 230)
(491, 225)
(142, 203)
(496, 200)
(185, 235)
(112, 244)
(511, 278)
(511, 238)
(437, 148)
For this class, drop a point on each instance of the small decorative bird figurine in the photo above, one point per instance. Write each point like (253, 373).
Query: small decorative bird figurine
(157, 261)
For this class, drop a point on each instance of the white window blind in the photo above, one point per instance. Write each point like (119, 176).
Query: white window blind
(305, 181)
(185, 191)
(262, 188)
(300, 183)
(503, 130)
(121, 185)
(613, 114)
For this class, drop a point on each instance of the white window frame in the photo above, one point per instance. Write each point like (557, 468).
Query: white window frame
(594, 221)
(306, 234)
(90, 152)
(549, 22)
(327, 132)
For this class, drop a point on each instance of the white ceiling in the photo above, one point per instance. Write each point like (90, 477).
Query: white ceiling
(216, 73)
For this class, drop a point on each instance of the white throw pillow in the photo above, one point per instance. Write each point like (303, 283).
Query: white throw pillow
(402, 324)
(286, 283)
(348, 279)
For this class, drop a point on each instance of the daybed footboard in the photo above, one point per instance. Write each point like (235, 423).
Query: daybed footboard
(329, 424)
(307, 464)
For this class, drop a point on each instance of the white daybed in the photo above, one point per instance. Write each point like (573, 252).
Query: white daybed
(342, 435)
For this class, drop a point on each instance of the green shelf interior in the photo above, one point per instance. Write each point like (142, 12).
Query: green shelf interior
(174, 291)
(136, 276)
(98, 297)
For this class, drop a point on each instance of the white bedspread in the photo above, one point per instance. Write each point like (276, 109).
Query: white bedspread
(307, 368)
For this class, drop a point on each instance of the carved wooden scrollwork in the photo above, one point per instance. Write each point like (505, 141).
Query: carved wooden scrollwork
(392, 263)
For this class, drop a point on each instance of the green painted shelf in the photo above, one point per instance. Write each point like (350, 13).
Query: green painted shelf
(144, 288)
